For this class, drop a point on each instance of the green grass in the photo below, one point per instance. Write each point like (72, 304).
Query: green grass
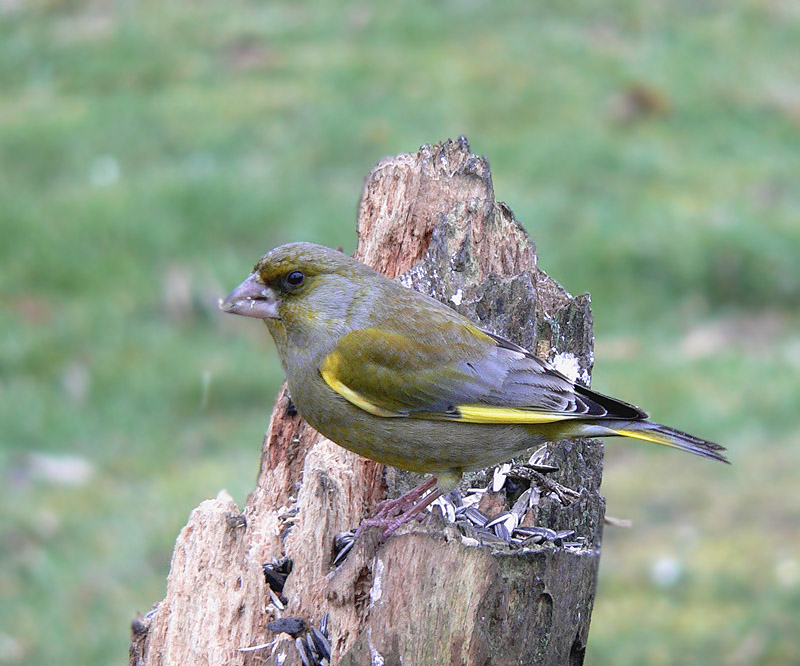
(150, 152)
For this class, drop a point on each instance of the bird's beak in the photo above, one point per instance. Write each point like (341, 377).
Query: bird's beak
(252, 299)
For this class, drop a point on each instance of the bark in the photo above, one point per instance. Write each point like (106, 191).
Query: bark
(428, 595)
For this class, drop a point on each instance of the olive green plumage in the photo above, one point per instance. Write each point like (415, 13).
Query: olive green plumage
(402, 379)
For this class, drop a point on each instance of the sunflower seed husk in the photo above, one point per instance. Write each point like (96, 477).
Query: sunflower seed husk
(276, 600)
(499, 477)
(342, 544)
(537, 461)
(342, 554)
(522, 504)
(312, 647)
(321, 642)
(302, 649)
(323, 624)
(471, 499)
(275, 579)
(476, 516)
(539, 455)
(531, 530)
(508, 519)
(534, 540)
(448, 508)
(255, 648)
(502, 532)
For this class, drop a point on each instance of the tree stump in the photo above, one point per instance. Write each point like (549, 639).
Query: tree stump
(429, 595)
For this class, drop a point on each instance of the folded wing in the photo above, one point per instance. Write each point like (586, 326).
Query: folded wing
(461, 373)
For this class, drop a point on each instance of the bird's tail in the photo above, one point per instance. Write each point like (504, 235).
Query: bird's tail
(656, 433)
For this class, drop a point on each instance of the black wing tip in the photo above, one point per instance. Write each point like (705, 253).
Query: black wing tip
(613, 408)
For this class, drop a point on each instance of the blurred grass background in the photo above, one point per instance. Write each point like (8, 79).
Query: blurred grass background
(150, 152)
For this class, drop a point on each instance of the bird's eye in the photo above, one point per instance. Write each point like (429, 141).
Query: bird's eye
(295, 279)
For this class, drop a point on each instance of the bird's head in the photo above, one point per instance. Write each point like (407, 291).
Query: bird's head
(302, 289)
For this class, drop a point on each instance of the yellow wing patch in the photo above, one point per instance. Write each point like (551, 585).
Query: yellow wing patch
(507, 415)
(354, 397)
(328, 372)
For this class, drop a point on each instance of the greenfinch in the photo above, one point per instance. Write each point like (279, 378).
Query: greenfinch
(402, 379)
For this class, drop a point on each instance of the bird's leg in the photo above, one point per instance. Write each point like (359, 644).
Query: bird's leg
(565, 495)
(393, 513)
(392, 507)
(413, 512)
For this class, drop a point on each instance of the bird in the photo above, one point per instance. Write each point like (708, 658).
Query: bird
(400, 378)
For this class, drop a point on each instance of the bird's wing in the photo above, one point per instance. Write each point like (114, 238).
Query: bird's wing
(463, 374)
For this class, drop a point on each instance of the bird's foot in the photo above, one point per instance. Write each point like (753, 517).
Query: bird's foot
(392, 508)
(393, 513)
(564, 495)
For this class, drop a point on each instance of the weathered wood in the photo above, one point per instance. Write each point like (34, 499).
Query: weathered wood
(423, 597)
(434, 601)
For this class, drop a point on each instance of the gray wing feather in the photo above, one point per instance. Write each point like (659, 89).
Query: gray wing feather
(513, 377)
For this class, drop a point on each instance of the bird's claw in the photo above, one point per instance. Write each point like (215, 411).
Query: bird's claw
(565, 495)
